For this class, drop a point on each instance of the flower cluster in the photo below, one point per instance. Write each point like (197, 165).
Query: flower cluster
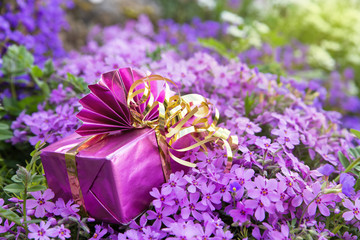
(287, 180)
(48, 125)
(36, 25)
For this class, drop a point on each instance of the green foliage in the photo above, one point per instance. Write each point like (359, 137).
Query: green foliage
(249, 104)
(26, 180)
(79, 85)
(19, 62)
(217, 46)
(16, 61)
(5, 132)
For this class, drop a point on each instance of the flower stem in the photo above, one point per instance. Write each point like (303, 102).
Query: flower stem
(24, 209)
(12, 88)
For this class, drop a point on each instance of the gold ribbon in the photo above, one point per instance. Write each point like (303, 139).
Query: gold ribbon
(179, 116)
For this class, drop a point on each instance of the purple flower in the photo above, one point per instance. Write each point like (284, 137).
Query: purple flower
(265, 190)
(241, 213)
(282, 235)
(326, 169)
(6, 226)
(192, 206)
(183, 230)
(162, 198)
(160, 216)
(324, 152)
(265, 143)
(209, 196)
(244, 124)
(70, 209)
(41, 203)
(347, 181)
(259, 208)
(99, 233)
(62, 232)
(244, 175)
(175, 184)
(234, 187)
(42, 232)
(287, 137)
(354, 209)
(221, 234)
(315, 199)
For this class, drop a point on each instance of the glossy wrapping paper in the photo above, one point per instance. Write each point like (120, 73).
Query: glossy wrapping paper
(116, 173)
(134, 133)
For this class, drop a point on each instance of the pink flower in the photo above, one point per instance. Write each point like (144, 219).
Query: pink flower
(40, 203)
(265, 190)
(42, 232)
(354, 210)
(241, 213)
(62, 232)
(99, 233)
(315, 200)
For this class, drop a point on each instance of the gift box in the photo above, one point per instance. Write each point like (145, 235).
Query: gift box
(134, 133)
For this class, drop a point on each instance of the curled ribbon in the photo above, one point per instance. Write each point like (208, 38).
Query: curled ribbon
(118, 102)
(179, 116)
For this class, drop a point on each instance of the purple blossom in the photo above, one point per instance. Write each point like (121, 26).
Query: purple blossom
(265, 190)
(42, 231)
(62, 232)
(99, 233)
(160, 216)
(175, 184)
(6, 227)
(41, 203)
(70, 209)
(354, 209)
(326, 169)
(347, 181)
(209, 196)
(241, 213)
(193, 207)
(316, 199)
(163, 198)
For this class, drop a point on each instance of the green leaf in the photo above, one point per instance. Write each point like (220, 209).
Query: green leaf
(217, 46)
(16, 179)
(12, 106)
(4, 126)
(37, 188)
(354, 152)
(16, 61)
(337, 228)
(355, 132)
(14, 188)
(37, 178)
(344, 161)
(10, 215)
(36, 71)
(249, 104)
(48, 68)
(357, 185)
(5, 134)
(34, 221)
(79, 83)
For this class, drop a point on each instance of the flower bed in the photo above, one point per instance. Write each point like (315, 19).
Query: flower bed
(294, 173)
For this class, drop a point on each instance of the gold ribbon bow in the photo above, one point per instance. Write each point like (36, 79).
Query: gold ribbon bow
(179, 116)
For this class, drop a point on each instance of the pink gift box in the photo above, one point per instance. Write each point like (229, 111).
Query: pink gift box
(115, 174)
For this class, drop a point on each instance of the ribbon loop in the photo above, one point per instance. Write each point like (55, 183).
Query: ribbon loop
(179, 116)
